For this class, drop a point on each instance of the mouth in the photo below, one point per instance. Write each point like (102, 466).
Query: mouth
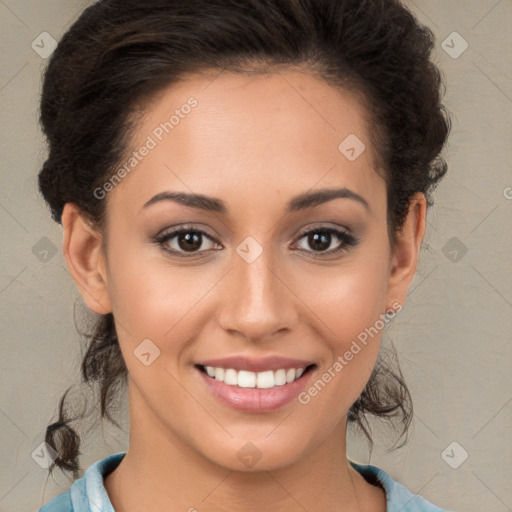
(255, 387)
(266, 379)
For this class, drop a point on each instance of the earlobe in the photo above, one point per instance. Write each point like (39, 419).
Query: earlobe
(405, 258)
(82, 250)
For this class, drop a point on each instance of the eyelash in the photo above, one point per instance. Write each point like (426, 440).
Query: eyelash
(347, 239)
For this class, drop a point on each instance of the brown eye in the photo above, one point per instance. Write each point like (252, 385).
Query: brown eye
(189, 241)
(185, 240)
(320, 240)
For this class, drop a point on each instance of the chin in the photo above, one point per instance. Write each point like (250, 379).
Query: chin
(260, 454)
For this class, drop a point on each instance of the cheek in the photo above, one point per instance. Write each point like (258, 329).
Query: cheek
(346, 309)
(346, 300)
(150, 295)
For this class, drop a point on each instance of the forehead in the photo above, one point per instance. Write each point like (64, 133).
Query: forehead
(233, 134)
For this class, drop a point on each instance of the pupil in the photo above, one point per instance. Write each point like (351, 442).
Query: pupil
(320, 241)
(192, 241)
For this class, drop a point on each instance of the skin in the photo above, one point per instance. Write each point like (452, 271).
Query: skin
(254, 142)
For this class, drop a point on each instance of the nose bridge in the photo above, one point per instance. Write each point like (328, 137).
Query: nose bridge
(257, 303)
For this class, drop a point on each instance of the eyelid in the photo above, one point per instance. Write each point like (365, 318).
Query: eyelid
(179, 228)
(320, 227)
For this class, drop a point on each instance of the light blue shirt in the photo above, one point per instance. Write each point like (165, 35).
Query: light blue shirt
(88, 494)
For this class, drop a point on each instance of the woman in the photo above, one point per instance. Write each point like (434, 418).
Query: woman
(243, 189)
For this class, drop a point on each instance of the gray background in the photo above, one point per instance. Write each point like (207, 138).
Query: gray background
(454, 334)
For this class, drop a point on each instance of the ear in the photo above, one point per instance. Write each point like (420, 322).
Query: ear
(405, 255)
(82, 247)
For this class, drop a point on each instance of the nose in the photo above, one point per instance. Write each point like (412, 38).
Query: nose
(257, 299)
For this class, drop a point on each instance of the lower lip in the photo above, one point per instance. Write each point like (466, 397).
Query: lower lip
(255, 399)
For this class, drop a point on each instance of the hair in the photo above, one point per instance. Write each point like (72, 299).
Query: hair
(120, 54)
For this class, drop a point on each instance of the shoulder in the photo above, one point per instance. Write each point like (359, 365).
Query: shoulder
(62, 503)
(87, 490)
(398, 497)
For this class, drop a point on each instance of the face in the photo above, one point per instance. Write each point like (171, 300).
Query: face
(261, 282)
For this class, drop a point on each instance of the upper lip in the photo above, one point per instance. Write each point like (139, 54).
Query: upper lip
(256, 365)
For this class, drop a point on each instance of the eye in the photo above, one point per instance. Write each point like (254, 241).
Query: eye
(321, 240)
(188, 241)
(184, 240)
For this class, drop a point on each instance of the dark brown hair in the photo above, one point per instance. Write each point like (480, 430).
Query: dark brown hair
(121, 53)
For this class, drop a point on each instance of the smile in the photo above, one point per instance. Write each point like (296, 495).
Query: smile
(247, 379)
(255, 386)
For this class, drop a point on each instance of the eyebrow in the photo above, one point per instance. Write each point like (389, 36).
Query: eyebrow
(300, 202)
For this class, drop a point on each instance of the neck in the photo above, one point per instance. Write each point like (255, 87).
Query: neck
(160, 472)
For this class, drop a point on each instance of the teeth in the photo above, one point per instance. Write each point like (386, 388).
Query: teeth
(246, 379)
(219, 374)
(280, 378)
(230, 377)
(265, 380)
(260, 380)
(290, 375)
